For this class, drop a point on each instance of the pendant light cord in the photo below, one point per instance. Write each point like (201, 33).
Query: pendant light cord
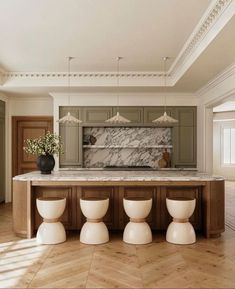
(69, 92)
(118, 64)
(165, 60)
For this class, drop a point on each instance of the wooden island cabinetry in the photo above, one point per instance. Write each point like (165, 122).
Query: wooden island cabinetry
(208, 216)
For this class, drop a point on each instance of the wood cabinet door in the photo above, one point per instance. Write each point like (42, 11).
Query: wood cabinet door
(136, 192)
(71, 136)
(111, 217)
(24, 128)
(174, 192)
(69, 216)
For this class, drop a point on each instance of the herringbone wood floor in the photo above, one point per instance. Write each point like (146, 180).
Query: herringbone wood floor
(206, 264)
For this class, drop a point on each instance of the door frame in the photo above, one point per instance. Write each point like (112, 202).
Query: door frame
(14, 149)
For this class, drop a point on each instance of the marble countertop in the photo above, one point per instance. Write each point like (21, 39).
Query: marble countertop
(117, 176)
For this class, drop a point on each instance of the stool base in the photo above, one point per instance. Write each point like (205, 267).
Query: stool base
(51, 233)
(94, 233)
(137, 233)
(180, 233)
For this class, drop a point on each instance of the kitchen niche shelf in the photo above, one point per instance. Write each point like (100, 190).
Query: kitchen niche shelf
(127, 147)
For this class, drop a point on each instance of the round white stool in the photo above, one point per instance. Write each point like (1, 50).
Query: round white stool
(94, 231)
(51, 231)
(180, 231)
(137, 231)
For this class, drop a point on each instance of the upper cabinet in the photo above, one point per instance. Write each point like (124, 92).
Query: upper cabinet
(134, 114)
(151, 113)
(185, 137)
(96, 114)
(71, 136)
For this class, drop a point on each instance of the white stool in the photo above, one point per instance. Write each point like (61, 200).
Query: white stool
(51, 231)
(180, 231)
(137, 231)
(94, 231)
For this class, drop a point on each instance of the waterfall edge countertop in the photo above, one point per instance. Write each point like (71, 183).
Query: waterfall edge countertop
(118, 176)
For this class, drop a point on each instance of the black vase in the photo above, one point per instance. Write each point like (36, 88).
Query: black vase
(46, 164)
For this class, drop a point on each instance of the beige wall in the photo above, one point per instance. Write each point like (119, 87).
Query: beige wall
(221, 120)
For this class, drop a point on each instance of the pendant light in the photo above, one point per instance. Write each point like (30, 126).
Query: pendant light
(69, 119)
(118, 118)
(165, 119)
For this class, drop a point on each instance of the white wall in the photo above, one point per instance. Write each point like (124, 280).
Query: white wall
(220, 121)
(216, 92)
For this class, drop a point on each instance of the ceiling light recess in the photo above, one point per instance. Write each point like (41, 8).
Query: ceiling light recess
(68, 118)
(118, 119)
(165, 119)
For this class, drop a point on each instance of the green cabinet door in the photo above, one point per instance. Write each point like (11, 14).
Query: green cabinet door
(185, 137)
(134, 114)
(96, 114)
(71, 136)
(151, 113)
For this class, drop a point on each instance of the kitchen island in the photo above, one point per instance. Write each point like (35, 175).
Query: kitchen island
(208, 190)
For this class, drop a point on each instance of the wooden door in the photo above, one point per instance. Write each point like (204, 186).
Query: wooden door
(24, 127)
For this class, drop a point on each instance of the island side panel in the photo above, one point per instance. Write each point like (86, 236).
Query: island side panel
(214, 208)
(20, 208)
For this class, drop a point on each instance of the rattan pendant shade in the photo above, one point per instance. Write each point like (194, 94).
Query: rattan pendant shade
(68, 118)
(118, 119)
(165, 119)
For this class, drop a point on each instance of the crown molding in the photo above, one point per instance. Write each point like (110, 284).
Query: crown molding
(212, 22)
(214, 19)
(220, 78)
(79, 79)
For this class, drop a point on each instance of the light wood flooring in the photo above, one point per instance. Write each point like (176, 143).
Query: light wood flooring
(206, 264)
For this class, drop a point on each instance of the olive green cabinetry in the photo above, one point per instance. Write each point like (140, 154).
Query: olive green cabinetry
(185, 137)
(183, 133)
(71, 138)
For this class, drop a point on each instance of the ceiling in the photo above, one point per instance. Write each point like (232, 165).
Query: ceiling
(36, 37)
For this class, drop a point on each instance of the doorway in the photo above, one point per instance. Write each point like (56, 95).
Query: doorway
(2, 152)
(224, 154)
(27, 127)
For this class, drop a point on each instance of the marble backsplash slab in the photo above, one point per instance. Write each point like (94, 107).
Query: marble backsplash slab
(136, 146)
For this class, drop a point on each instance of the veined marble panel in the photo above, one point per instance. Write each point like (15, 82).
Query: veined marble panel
(135, 145)
(130, 136)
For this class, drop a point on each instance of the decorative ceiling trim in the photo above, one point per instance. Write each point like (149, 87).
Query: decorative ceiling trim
(214, 19)
(202, 35)
(220, 78)
(79, 79)
(7, 75)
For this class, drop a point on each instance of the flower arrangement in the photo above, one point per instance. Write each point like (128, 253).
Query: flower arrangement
(49, 144)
